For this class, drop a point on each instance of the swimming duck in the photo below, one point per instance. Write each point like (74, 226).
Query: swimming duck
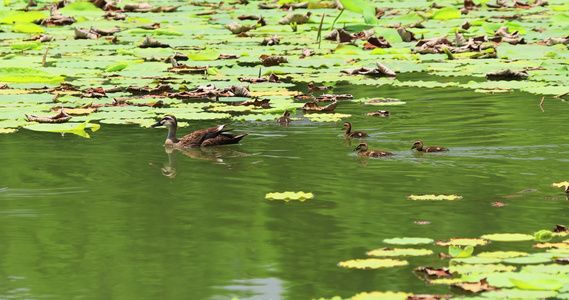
(373, 153)
(355, 134)
(418, 144)
(213, 136)
(285, 118)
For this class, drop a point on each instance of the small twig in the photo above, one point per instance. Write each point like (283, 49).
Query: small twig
(259, 73)
(44, 57)
(561, 95)
(541, 104)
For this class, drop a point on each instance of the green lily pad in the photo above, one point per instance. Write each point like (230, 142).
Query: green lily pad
(458, 252)
(502, 254)
(508, 237)
(288, 196)
(380, 296)
(399, 252)
(75, 128)
(476, 260)
(537, 285)
(518, 294)
(463, 242)
(434, 197)
(372, 263)
(535, 258)
(408, 241)
(481, 268)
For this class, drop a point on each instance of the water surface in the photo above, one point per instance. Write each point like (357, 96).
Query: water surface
(118, 217)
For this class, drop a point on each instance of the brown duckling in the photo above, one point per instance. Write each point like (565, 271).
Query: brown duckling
(373, 153)
(213, 136)
(418, 145)
(355, 134)
(285, 119)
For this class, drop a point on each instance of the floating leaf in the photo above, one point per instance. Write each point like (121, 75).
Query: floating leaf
(537, 285)
(535, 258)
(116, 67)
(399, 252)
(458, 252)
(7, 130)
(462, 242)
(476, 260)
(446, 13)
(562, 184)
(433, 197)
(508, 237)
(408, 241)
(502, 254)
(372, 263)
(75, 128)
(381, 295)
(543, 235)
(288, 196)
(481, 268)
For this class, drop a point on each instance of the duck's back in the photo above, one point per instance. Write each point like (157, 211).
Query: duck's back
(435, 149)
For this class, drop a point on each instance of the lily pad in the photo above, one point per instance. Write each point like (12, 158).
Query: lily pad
(481, 268)
(288, 196)
(381, 296)
(458, 252)
(502, 254)
(372, 263)
(463, 242)
(537, 285)
(433, 197)
(508, 237)
(399, 252)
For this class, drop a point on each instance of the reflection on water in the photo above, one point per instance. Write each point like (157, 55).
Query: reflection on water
(223, 155)
(10, 193)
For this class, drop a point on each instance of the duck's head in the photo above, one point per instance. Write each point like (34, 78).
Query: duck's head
(418, 144)
(168, 121)
(286, 113)
(347, 125)
(361, 146)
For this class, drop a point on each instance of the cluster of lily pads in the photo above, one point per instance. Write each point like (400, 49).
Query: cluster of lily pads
(114, 46)
(487, 274)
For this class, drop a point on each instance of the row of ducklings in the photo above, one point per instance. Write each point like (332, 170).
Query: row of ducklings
(364, 150)
(218, 135)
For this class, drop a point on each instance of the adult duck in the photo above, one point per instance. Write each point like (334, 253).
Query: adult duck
(213, 136)
(363, 151)
(418, 145)
(355, 134)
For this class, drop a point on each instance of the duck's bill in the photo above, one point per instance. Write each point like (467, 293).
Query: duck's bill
(155, 125)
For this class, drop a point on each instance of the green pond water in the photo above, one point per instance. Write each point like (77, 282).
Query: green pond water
(98, 219)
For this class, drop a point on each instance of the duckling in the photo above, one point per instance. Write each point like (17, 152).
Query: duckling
(355, 134)
(373, 153)
(213, 136)
(285, 118)
(418, 144)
